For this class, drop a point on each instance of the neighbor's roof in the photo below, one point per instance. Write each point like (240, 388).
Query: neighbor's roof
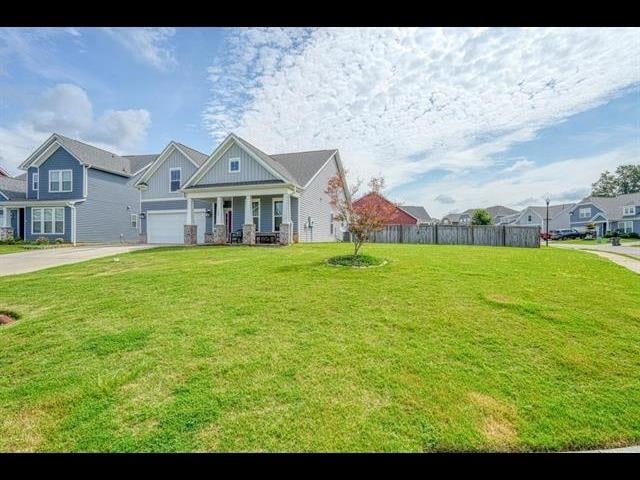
(455, 217)
(495, 211)
(612, 206)
(138, 162)
(553, 209)
(416, 211)
(22, 176)
(13, 188)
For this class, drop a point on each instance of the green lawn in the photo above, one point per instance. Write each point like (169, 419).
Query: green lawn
(580, 241)
(11, 249)
(270, 349)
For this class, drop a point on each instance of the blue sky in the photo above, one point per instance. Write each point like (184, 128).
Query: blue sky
(453, 118)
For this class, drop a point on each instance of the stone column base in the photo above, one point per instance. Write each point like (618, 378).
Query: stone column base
(219, 234)
(190, 234)
(285, 233)
(249, 234)
(208, 238)
(6, 233)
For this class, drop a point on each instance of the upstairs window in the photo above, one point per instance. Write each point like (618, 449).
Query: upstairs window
(629, 210)
(585, 212)
(528, 218)
(60, 180)
(34, 182)
(234, 165)
(176, 179)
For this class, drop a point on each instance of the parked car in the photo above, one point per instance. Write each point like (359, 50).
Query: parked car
(547, 235)
(565, 234)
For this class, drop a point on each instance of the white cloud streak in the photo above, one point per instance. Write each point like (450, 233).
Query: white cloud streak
(151, 46)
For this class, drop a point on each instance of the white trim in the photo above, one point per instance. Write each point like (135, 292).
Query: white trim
(630, 212)
(181, 210)
(234, 159)
(60, 181)
(233, 191)
(273, 211)
(259, 226)
(164, 199)
(143, 168)
(321, 168)
(217, 155)
(34, 182)
(50, 151)
(586, 210)
(73, 224)
(6, 198)
(38, 151)
(131, 217)
(523, 213)
(42, 203)
(171, 170)
(155, 165)
(53, 220)
(625, 222)
(85, 181)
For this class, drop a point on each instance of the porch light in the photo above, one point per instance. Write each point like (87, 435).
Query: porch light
(143, 214)
(208, 213)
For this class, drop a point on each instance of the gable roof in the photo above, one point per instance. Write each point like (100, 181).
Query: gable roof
(138, 162)
(495, 211)
(417, 212)
(196, 157)
(277, 166)
(3, 172)
(13, 188)
(303, 166)
(455, 217)
(613, 206)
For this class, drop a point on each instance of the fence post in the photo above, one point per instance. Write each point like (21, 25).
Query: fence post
(435, 234)
(504, 235)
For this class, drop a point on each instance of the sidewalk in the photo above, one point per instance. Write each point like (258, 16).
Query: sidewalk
(626, 255)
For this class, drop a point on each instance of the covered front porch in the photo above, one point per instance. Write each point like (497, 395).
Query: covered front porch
(246, 216)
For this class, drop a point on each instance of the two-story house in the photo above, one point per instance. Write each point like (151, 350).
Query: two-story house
(238, 193)
(559, 217)
(73, 191)
(621, 213)
(456, 219)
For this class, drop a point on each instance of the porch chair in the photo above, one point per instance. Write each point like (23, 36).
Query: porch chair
(236, 237)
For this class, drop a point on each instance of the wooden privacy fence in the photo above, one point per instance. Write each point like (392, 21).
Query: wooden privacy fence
(494, 235)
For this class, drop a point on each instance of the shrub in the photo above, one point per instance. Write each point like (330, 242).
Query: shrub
(355, 261)
(42, 241)
(608, 234)
(59, 241)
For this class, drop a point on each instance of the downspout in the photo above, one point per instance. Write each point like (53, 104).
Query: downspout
(73, 223)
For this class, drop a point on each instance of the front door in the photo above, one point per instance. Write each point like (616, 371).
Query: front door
(228, 222)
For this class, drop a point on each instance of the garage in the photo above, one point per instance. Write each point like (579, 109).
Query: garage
(168, 227)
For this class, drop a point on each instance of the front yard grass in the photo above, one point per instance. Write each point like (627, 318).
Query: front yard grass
(445, 348)
(5, 248)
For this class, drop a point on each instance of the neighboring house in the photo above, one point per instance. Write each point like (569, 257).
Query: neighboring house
(621, 213)
(73, 191)
(401, 215)
(3, 172)
(189, 197)
(508, 219)
(497, 212)
(456, 219)
(559, 217)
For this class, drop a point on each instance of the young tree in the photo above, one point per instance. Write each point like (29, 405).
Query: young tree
(361, 219)
(626, 179)
(481, 217)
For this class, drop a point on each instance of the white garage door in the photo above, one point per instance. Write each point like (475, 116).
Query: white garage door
(168, 227)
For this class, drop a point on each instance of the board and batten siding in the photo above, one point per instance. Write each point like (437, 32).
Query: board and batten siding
(314, 203)
(250, 169)
(103, 216)
(60, 160)
(160, 181)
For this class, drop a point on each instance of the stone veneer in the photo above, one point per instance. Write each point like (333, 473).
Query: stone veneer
(219, 234)
(285, 233)
(6, 233)
(249, 234)
(208, 238)
(190, 234)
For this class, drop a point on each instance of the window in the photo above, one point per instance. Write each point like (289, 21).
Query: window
(47, 220)
(255, 212)
(234, 165)
(585, 212)
(134, 220)
(277, 214)
(528, 218)
(629, 210)
(176, 179)
(625, 227)
(34, 182)
(60, 180)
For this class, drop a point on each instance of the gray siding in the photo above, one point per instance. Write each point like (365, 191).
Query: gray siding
(524, 220)
(103, 216)
(575, 217)
(31, 193)
(51, 236)
(314, 203)
(250, 170)
(159, 183)
(61, 160)
(636, 224)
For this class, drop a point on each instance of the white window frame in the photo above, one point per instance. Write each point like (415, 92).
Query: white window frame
(35, 181)
(171, 170)
(273, 213)
(257, 200)
(235, 159)
(584, 212)
(629, 210)
(53, 220)
(60, 182)
(625, 223)
(133, 220)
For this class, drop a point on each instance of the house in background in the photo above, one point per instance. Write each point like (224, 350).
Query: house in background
(3, 173)
(238, 193)
(621, 213)
(73, 191)
(402, 214)
(559, 217)
(463, 218)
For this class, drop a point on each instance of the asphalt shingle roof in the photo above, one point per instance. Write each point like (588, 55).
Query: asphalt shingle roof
(13, 188)
(613, 206)
(195, 155)
(138, 162)
(416, 211)
(97, 157)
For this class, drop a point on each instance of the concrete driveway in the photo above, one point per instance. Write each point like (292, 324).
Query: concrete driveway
(32, 260)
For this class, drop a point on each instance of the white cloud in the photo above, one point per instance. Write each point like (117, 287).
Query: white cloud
(446, 199)
(67, 109)
(407, 101)
(519, 165)
(148, 45)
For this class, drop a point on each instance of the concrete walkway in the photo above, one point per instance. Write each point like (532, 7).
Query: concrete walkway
(629, 259)
(32, 260)
(615, 450)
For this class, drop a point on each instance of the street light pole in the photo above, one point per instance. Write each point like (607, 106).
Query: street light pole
(547, 228)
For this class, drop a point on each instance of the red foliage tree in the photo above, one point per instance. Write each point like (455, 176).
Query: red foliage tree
(361, 219)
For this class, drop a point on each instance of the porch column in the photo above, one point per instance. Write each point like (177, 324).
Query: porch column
(248, 229)
(285, 226)
(190, 230)
(219, 232)
(6, 232)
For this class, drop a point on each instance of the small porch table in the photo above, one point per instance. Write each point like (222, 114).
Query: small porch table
(266, 237)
